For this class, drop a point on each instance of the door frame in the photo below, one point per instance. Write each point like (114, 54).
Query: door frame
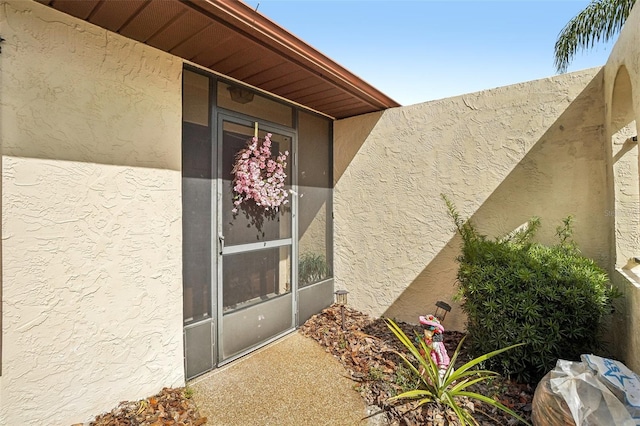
(220, 117)
(306, 300)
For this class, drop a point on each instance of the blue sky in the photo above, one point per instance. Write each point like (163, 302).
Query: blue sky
(415, 51)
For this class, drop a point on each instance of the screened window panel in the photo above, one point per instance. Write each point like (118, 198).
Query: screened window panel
(315, 221)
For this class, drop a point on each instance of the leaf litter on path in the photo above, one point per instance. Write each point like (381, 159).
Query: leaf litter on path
(170, 407)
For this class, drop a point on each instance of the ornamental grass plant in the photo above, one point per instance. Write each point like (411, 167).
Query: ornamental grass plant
(312, 267)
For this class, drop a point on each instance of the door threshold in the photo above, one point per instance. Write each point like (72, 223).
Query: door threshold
(256, 348)
(243, 355)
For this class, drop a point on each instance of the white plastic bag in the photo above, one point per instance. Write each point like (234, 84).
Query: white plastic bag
(619, 379)
(591, 403)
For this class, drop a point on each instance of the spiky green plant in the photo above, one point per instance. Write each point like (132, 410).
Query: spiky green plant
(599, 21)
(312, 268)
(454, 384)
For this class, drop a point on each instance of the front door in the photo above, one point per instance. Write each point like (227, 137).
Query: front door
(240, 263)
(255, 301)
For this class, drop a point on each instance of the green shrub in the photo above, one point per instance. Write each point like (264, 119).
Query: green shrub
(514, 290)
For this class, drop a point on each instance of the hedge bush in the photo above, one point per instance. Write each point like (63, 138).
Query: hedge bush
(514, 290)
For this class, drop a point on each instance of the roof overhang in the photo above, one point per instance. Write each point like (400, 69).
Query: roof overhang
(230, 38)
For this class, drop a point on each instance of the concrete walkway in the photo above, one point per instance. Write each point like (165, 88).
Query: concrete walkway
(292, 381)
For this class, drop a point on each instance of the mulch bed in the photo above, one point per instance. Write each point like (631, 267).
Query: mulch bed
(366, 348)
(170, 407)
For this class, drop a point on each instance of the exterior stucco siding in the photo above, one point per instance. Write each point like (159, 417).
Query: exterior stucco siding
(502, 156)
(622, 96)
(91, 218)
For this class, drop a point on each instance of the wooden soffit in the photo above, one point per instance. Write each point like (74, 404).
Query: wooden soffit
(229, 37)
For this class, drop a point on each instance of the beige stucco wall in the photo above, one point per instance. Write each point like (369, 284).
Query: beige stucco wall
(501, 156)
(91, 218)
(622, 95)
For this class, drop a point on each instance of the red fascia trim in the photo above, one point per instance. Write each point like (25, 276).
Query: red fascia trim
(240, 16)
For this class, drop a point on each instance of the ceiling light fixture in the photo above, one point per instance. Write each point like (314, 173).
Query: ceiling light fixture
(240, 95)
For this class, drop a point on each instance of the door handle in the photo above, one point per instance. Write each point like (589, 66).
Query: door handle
(221, 240)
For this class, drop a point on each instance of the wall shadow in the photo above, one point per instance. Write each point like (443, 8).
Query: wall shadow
(349, 139)
(563, 173)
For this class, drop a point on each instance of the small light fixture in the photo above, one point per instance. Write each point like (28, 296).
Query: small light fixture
(442, 309)
(341, 299)
(240, 95)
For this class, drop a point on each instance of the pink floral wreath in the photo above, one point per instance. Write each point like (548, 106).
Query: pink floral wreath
(258, 176)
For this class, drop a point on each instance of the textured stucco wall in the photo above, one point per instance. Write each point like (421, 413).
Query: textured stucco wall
(622, 94)
(91, 218)
(501, 156)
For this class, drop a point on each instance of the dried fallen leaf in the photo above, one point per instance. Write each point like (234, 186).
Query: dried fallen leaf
(167, 408)
(366, 343)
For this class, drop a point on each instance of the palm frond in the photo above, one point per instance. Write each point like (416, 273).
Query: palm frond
(599, 21)
(464, 370)
(463, 415)
(415, 394)
(467, 383)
